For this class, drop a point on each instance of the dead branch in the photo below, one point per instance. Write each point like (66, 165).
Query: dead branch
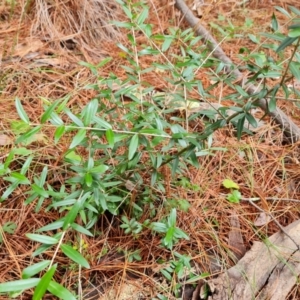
(268, 271)
(290, 129)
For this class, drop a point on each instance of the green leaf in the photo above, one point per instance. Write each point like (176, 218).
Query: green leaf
(74, 255)
(273, 100)
(168, 240)
(28, 134)
(78, 138)
(253, 38)
(20, 177)
(274, 22)
(88, 179)
(55, 119)
(75, 119)
(9, 191)
(90, 112)
(230, 184)
(143, 16)
(294, 33)
(26, 164)
(102, 123)
(66, 202)
(9, 227)
(123, 24)
(148, 32)
(286, 42)
(72, 157)
(35, 269)
(295, 69)
(283, 11)
(43, 176)
(134, 143)
(172, 218)
(110, 137)
(22, 151)
(104, 62)
(21, 111)
(72, 214)
(42, 238)
(159, 227)
(47, 114)
(198, 277)
(175, 165)
(19, 285)
(294, 10)
(234, 197)
(52, 226)
(240, 126)
(43, 284)
(40, 191)
(251, 120)
(81, 229)
(167, 275)
(99, 169)
(58, 133)
(180, 234)
(153, 178)
(167, 43)
(59, 291)
(41, 250)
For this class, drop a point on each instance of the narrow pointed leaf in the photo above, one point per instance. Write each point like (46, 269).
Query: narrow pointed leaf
(78, 138)
(52, 226)
(251, 120)
(102, 123)
(99, 169)
(286, 42)
(58, 133)
(175, 166)
(42, 238)
(74, 255)
(110, 137)
(294, 10)
(294, 33)
(75, 119)
(35, 269)
(28, 134)
(21, 111)
(47, 114)
(295, 69)
(88, 179)
(71, 215)
(18, 285)
(240, 127)
(273, 99)
(42, 286)
(274, 23)
(81, 229)
(134, 143)
(283, 11)
(90, 112)
(59, 291)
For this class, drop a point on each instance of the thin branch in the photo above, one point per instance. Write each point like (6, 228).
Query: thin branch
(276, 222)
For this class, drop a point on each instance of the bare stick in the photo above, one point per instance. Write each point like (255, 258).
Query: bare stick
(276, 222)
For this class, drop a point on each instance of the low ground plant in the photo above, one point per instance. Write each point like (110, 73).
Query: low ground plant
(130, 142)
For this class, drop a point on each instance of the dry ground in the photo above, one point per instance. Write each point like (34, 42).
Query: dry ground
(36, 63)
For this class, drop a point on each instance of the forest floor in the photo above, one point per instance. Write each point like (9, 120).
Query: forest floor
(34, 67)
